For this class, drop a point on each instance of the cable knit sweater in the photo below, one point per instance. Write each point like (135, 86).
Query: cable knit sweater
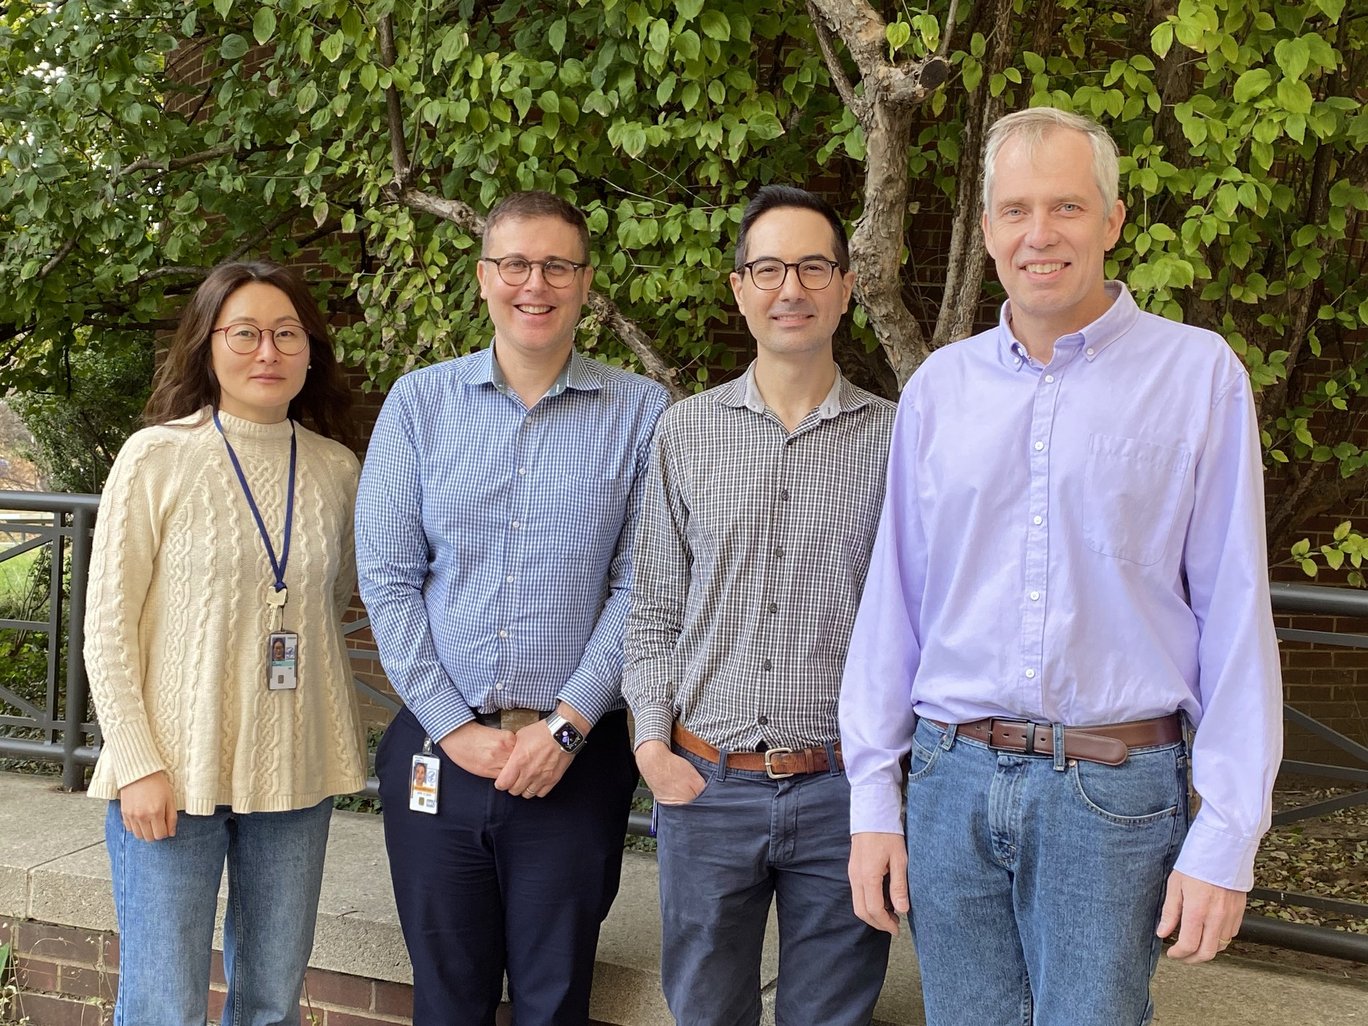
(177, 620)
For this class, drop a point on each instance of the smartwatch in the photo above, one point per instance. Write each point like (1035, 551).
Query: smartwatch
(567, 735)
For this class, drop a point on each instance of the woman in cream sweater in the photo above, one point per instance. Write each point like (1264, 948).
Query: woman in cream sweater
(222, 564)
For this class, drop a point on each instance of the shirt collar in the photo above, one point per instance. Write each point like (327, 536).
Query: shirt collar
(579, 373)
(1092, 339)
(842, 397)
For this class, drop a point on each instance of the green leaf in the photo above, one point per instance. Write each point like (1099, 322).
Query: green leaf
(688, 45)
(1309, 567)
(233, 47)
(1161, 39)
(264, 24)
(307, 97)
(1295, 96)
(223, 7)
(1342, 531)
(1251, 84)
(1333, 556)
(715, 25)
(659, 36)
(898, 34)
(331, 47)
(555, 35)
(1292, 56)
(1332, 8)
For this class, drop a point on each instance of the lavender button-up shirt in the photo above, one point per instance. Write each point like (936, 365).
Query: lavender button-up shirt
(1081, 542)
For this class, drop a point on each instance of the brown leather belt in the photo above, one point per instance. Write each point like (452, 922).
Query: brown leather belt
(1109, 743)
(510, 719)
(776, 763)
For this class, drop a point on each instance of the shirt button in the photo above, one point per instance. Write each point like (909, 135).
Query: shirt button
(1089, 351)
(778, 553)
(1049, 379)
(1030, 674)
(769, 665)
(522, 471)
(783, 494)
(1039, 446)
(509, 578)
(498, 686)
(1035, 596)
(774, 607)
(762, 720)
(503, 634)
(1037, 520)
(517, 524)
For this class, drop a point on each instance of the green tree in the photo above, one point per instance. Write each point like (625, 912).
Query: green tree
(79, 425)
(147, 140)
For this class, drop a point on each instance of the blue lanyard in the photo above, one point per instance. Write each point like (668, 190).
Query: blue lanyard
(278, 567)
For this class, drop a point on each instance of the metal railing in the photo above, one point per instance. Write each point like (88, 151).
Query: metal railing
(1321, 940)
(64, 523)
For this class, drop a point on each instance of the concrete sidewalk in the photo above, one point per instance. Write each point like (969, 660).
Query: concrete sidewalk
(53, 868)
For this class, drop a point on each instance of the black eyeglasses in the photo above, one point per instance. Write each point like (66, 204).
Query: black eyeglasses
(556, 272)
(814, 274)
(289, 339)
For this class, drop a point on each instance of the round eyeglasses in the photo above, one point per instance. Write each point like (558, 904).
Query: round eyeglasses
(814, 274)
(288, 339)
(556, 272)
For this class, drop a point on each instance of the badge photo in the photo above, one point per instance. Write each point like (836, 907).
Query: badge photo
(282, 660)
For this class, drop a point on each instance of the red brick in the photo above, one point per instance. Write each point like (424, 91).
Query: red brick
(37, 974)
(393, 998)
(217, 996)
(216, 968)
(83, 981)
(64, 943)
(48, 1010)
(338, 989)
(111, 950)
(1299, 657)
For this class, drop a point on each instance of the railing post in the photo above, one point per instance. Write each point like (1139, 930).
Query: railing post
(77, 689)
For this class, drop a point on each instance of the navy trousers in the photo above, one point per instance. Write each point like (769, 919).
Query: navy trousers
(495, 883)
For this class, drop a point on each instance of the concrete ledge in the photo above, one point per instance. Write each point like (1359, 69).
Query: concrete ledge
(54, 869)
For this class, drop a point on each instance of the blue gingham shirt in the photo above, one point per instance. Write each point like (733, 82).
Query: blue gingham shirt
(493, 542)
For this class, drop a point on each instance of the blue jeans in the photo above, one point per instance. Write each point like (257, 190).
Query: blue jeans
(744, 841)
(1037, 881)
(165, 895)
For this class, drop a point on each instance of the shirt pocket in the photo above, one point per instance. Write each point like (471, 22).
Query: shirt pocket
(1133, 488)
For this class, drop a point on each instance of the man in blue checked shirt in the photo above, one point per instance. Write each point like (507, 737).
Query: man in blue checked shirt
(1070, 567)
(493, 531)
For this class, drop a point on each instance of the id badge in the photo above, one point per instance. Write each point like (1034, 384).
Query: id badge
(282, 661)
(423, 784)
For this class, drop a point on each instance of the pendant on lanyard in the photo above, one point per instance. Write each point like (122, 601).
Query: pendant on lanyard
(282, 647)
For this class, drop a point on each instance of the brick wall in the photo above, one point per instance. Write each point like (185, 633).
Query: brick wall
(68, 977)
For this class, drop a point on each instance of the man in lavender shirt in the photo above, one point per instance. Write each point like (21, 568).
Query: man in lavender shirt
(1070, 566)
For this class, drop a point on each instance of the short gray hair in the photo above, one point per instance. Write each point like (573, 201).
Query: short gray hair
(1032, 125)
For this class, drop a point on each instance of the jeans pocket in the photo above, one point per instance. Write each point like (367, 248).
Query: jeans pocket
(1133, 489)
(923, 760)
(1141, 791)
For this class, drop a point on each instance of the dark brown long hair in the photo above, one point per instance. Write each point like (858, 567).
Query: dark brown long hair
(186, 382)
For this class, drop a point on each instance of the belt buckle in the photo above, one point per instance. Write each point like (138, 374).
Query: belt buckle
(769, 766)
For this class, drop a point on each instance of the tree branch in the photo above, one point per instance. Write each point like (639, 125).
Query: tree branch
(834, 67)
(176, 163)
(394, 114)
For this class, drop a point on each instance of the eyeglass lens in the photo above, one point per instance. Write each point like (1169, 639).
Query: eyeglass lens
(289, 339)
(516, 271)
(812, 274)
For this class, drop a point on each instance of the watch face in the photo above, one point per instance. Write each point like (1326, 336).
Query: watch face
(567, 736)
